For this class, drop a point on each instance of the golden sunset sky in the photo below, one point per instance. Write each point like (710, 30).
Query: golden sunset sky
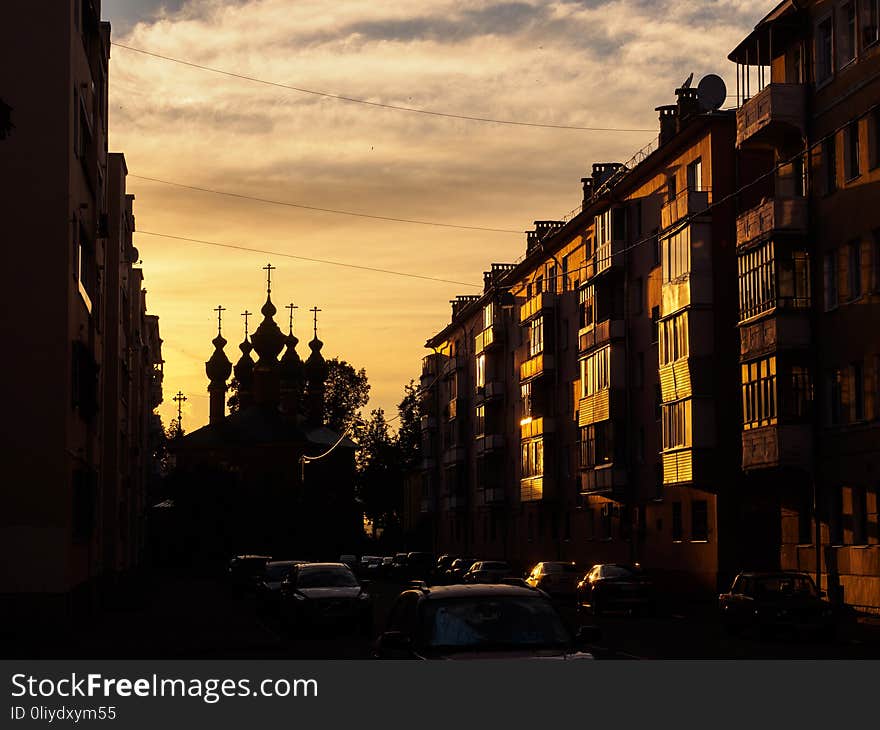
(593, 63)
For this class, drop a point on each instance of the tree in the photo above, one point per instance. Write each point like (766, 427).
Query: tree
(232, 401)
(380, 476)
(409, 432)
(347, 391)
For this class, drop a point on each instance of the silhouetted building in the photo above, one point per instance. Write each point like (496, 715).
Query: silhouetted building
(241, 484)
(80, 393)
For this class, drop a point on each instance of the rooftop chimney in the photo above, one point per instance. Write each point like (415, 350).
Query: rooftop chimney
(588, 190)
(668, 122)
(688, 105)
(542, 230)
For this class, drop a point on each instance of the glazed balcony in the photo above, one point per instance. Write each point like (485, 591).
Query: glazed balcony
(534, 427)
(429, 423)
(536, 305)
(454, 456)
(601, 334)
(452, 409)
(489, 338)
(488, 496)
(492, 390)
(431, 366)
(536, 366)
(687, 203)
(534, 489)
(455, 501)
(777, 215)
(777, 112)
(604, 479)
(784, 330)
(594, 408)
(489, 443)
(777, 446)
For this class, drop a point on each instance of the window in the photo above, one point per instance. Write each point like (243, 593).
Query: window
(480, 421)
(794, 280)
(870, 12)
(695, 175)
(676, 253)
(829, 164)
(536, 336)
(835, 397)
(655, 324)
(551, 280)
(86, 268)
(674, 339)
(527, 401)
(857, 392)
(854, 270)
(759, 393)
(824, 50)
(801, 403)
(757, 281)
(699, 520)
(533, 459)
(596, 372)
(488, 315)
(565, 269)
(597, 445)
(829, 271)
(847, 30)
(677, 531)
(874, 137)
(671, 188)
(851, 146)
(676, 425)
(587, 307)
(481, 372)
(603, 241)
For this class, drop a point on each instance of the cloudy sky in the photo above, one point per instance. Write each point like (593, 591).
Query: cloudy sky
(592, 63)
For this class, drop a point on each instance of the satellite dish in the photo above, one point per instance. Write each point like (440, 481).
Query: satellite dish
(712, 92)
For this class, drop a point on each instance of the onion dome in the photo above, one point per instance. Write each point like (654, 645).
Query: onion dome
(292, 368)
(316, 366)
(244, 368)
(268, 339)
(218, 368)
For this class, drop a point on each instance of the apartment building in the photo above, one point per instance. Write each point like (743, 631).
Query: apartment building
(62, 515)
(809, 285)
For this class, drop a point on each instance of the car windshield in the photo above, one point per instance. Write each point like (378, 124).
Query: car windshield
(560, 568)
(621, 571)
(493, 622)
(494, 566)
(785, 585)
(326, 578)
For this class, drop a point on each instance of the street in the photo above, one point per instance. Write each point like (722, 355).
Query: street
(195, 617)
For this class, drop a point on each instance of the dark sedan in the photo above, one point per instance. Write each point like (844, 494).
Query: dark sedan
(479, 622)
(325, 595)
(269, 586)
(615, 586)
(777, 601)
(457, 569)
(244, 572)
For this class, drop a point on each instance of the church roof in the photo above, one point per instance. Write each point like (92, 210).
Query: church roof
(258, 424)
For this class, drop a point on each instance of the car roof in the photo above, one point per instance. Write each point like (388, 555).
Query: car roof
(325, 565)
(252, 557)
(286, 562)
(476, 591)
(774, 573)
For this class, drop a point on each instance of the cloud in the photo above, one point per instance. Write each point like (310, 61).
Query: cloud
(604, 63)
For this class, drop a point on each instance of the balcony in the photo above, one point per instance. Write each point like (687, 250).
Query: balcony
(777, 446)
(785, 330)
(775, 113)
(777, 215)
(675, 381)
(536, 305)
(535, 367)
(534, 427)
(430, 367)
(678, 466)
(686, 203)
(452, 409)
(488, 496)
(594, 408)
(492, 390)
(487, 444)
(600, 334)
(489, 338)
(531, 489)
(453, 456)
(603, 479)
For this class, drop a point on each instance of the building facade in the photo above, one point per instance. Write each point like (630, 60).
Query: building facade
(685, 373)
(66, 522)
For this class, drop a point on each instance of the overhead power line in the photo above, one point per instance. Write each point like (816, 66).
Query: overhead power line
(345, 264)
(394, 107)
(325, 210)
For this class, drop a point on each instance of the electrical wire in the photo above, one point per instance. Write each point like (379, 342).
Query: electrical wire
(309, 259)
(394, 107)
(323, 210)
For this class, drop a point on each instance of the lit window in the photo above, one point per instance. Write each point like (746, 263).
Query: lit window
(676, 255)
(759, 393)
(676, 424)
(596, 372)
(674, 339)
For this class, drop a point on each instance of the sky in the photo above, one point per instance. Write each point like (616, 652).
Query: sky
(587, 63)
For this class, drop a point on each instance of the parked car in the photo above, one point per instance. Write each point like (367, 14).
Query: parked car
(777, 601)
(610, 586)
(555, 577)
(440, 568)
(419, 566)
(457, 569)
(479, 622)
(325, 595)
(397, 569)
(244, 572)
(350, 560)
(269, 585)
(368, 566)
(488, 571)
(385, 567)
